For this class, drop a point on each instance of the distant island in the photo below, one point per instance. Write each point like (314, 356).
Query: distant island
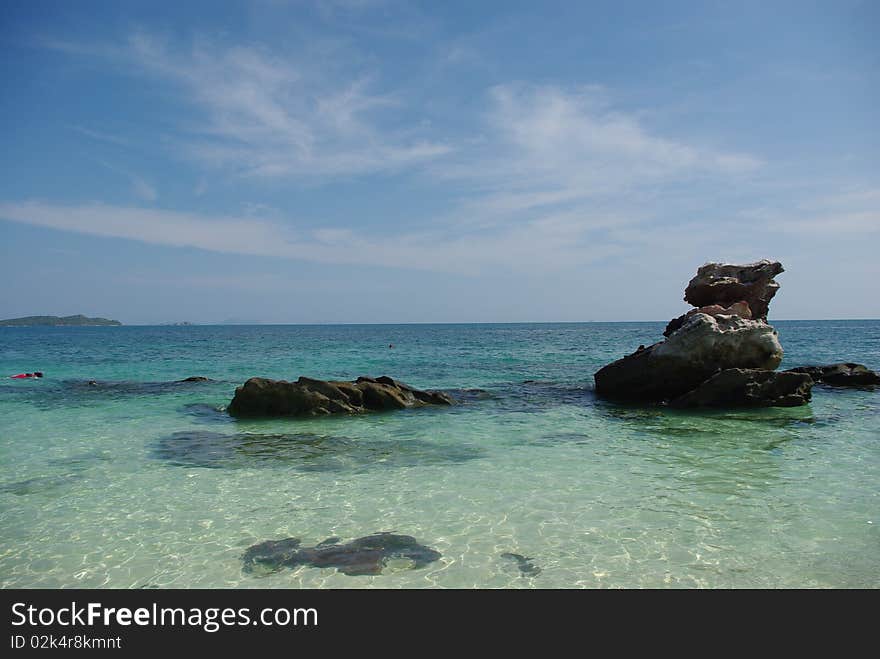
(58, 321)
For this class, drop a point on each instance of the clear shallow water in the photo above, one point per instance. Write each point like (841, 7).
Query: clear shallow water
(145, 482)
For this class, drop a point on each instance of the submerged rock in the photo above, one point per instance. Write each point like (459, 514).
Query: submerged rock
(307, 451)
(840, 375)
(362, 556)
(524, 564)
(307, 397)
(700, 348)
(737, 387)
(39, 484)
(120, 388)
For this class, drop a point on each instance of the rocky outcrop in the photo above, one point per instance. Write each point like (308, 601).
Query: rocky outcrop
(724, 288)
(737, 387)
(700, 348)
(841, 375)
(261, 397)
(721, 353)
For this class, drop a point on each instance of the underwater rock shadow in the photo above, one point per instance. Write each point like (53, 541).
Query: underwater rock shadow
(304, 451)
(675, 422)
(363, 556)
(54, 394)
(469, 396)
(40, 484)
(539, 396)
(207, 413)
(710, 430)
(74, 468)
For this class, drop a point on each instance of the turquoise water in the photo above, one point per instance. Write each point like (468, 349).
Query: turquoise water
(143, 482)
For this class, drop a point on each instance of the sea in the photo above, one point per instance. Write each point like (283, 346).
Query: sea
(141, 481)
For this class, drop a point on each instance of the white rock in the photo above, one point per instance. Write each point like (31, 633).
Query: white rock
(725, 342)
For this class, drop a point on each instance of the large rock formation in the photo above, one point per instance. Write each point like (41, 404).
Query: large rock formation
(700, 348)
(727, 331)
(841, 375)
(307, 397)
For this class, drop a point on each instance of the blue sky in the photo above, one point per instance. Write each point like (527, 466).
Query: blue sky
(381, 161)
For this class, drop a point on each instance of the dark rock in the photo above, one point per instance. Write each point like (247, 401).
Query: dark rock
(737, 387)
(363, 556)
(196, 378)
(524, 564)
(261, 397)
(840, 375)
(725, 284)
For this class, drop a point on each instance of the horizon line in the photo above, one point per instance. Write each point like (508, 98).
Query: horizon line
(353, 323)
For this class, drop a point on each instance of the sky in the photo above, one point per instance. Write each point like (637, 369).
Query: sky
(375, 161)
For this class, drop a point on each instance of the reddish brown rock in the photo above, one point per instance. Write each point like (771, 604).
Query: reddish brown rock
(725, 284)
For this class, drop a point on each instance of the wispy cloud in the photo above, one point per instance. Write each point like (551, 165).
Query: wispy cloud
(143, 189)
(552, 144)
(566, 158)
(553, 176)
(538, 245)
(272, 116)
(102, 136)
(834, 214)
(140, 187)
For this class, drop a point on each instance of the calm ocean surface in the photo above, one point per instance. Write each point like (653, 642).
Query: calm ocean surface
(142, 482)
